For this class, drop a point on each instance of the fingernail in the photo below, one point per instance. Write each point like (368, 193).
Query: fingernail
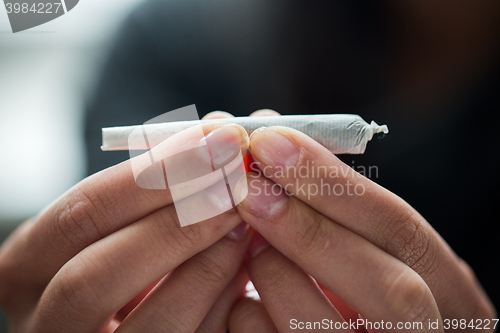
(239, 233)
(257, 131)
(240, 190)
(264, 198)
(257, 245)
(274, 149)
(223, 144)
(226, 133)
(219, 196)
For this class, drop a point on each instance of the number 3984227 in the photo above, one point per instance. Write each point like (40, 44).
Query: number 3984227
(36, 8)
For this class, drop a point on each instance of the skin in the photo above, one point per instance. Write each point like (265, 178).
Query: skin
(109, 256)
(93, 260)
(373, 250)
(313, 246)
(77, 265)
(81, 265)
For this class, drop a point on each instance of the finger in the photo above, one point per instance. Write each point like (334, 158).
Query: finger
(265, 113)
(224, 114)
(124, 311)
(372, 282)
(337, 191)
(106, 275)
(182, 300)
(217, 115)
(216, 319)
(97, 207)
(345, 311)
(260, 113)
(250, 316)
(274, 276)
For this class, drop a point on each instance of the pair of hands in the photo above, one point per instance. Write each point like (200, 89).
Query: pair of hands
(76, 266)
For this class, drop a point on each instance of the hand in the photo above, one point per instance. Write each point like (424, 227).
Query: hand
(360, 241)
(289, 296)
(75, 266)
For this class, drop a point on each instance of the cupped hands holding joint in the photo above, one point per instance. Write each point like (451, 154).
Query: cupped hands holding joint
(87, 262)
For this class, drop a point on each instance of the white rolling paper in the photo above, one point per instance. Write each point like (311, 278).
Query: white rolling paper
(339, 133)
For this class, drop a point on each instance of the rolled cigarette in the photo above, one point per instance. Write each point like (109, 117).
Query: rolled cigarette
(339, 133)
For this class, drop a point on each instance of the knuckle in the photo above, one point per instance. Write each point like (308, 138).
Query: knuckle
(244, 312)
(409, 297)
(75, 294)
(173, 239)
(180, 237)
(209, 273)
(411, 243)
(273, 277)
(77, 221)
(189, 236)
(313, 238)
(69, 292)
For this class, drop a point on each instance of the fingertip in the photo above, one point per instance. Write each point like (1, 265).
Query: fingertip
(276, 147)
(265, 113)
(226, 132)
(217, 115)
(264, 198)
